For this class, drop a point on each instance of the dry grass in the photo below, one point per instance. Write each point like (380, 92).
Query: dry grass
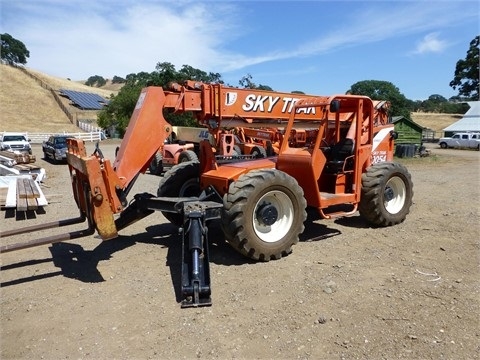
(26, 106)
(59, 83)
(436, 122)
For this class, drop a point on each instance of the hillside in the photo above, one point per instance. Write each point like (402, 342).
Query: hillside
(26, 106)
(436, 122)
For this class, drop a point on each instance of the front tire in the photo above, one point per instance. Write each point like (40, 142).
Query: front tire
(237, 150)
(443, 145)
(181, 180)
(156, 165)
(263, 214)
(187, 155)
(258, 152)
(387, 192)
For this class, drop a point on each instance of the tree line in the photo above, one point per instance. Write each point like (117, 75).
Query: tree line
(121, 106)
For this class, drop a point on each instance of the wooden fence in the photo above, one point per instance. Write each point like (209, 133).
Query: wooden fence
(92, 133)
(38, 138)
(72, 116)
(52, 91)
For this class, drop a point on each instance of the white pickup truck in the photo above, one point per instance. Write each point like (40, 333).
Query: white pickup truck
(11, 141)
(461, 140)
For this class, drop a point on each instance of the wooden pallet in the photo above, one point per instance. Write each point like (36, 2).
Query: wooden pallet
(26, 167)
(18, 158)
(27, 195)
(21, 193)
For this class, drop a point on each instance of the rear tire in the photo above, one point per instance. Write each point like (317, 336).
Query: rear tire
(187, 155)
(387, 192)
(156, 165)
(263, 214)
(182, 180)
(258, 152)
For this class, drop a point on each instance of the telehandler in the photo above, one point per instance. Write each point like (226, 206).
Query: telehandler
(344, 165)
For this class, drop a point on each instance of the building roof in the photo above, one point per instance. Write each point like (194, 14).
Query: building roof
(396, 119)
(470, 121)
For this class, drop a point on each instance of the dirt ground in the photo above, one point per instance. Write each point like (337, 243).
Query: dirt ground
(347, 291)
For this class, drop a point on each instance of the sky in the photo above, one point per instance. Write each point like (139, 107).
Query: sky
(318, 47)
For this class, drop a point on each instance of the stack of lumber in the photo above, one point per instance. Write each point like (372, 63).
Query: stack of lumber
(14, 163)
(21, 193)
(18, 161)
(19, 182)
(19, 158)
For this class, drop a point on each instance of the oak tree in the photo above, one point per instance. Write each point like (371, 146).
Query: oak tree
(467, 73)
(383, 90)
(13, 51)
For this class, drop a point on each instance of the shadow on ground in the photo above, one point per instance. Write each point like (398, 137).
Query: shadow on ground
(75, 262)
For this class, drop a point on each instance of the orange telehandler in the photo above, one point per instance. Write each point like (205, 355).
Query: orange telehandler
(342, 163)
(182, 145)
(171, 154)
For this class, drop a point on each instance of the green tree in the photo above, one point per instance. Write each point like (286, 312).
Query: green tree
(96, 80)
(467, 73)
(434, 103)
(13, 51)
(189, 73)
(247, 83)
(121, 106)
(141, 79)
(118, 80)
(119, 109)
(383, 90)
(449, 107)
(438, 104)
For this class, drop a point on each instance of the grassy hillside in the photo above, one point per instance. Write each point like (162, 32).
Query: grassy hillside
(59, 83)
(436, 122)
(26, 106)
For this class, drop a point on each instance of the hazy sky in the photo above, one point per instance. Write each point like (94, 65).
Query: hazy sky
(319, 47)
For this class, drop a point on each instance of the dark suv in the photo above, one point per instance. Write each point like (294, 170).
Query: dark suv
(55, 148)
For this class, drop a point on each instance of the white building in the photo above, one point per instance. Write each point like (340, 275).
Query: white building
(470, 122)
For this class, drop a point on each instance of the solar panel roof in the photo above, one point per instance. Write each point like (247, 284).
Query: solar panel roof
(86, 101)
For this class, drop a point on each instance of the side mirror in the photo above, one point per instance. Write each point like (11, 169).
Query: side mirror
(393, 135)
(334, 106)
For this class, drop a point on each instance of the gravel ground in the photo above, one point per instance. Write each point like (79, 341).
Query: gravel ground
(347, 291)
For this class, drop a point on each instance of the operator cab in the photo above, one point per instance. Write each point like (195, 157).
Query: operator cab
(340, 157)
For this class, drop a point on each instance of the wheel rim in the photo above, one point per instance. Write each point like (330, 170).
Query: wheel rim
(395, 195)
(283, 212)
